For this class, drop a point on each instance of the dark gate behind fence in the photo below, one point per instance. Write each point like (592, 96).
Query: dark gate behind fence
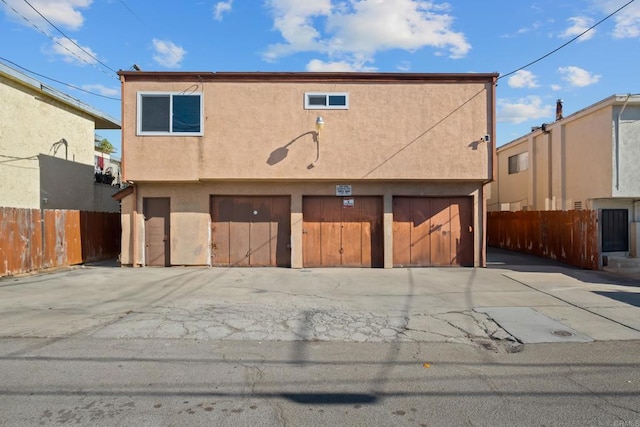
(31, 239)
(615, 230)
(566, 236)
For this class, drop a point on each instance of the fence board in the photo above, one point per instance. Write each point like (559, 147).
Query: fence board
(31, 239)
(567, 236)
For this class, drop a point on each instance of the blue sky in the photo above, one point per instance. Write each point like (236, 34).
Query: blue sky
(93, 38)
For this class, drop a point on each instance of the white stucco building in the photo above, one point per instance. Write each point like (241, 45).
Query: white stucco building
(47, 147)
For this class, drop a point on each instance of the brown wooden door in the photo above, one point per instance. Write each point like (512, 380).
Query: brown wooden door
(339, 235)
(432, 231)
(251, 231)
(157, 231)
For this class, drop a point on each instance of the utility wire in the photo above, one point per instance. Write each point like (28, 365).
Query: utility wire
(132, 12)
(68, 38)
(176, 54)
(569, 42)
(58, 81)
(54, 40)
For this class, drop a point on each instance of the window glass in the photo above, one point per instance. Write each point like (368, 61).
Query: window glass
(513, 164)
(186, 113)
(155, 113)
(337, 100)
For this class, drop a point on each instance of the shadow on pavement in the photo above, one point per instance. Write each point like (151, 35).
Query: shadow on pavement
(625, 297)
(508, 260)
(331, 398)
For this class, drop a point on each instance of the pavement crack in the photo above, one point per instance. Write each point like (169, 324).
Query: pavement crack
(280, 414)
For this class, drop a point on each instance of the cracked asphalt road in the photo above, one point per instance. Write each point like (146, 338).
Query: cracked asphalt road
(252, 304)
(101, 345)
(346, 305)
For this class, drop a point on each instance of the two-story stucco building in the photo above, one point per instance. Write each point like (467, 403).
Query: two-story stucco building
(306, 169)
(46, 147)
(587, 160)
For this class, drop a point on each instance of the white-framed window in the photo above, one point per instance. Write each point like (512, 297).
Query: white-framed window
(163, 113)
(326, 101)
(519, 162)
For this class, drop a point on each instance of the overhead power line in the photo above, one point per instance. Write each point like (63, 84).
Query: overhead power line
(569, 42)
(68, 38)
(58, 81)
(169, 46)
(131, 11)
(56, 41)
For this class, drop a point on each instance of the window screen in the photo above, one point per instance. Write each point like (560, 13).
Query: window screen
(155, 113)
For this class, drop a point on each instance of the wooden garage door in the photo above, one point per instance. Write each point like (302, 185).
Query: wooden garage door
(342, 232)
(432, 232)
(251, 231)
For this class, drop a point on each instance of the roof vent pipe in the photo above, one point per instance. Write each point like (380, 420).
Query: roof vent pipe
(559, 109)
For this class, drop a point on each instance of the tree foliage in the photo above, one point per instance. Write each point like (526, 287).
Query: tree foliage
(104, 146)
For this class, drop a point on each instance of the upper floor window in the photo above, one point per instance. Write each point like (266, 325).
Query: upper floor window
(326, 101)
(169, 114)
(519, 162)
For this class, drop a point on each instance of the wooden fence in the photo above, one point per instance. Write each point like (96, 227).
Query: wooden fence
(31, 239)
(570, 237)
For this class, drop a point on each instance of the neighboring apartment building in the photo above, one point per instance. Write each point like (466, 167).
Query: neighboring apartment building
(306, 169)
(46, 148)
(588, 160)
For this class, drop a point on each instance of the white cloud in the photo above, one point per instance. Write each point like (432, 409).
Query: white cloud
(102, 90)
(64, 13)
(579, 25)
(578, 77)
(522, 110)
(221, 8)
(362, 28)
(294, 20)
(627, 21)
(523, 78)
(556, 87)
(72, 53)
(168, 54)
(404, 66)
(316, 65)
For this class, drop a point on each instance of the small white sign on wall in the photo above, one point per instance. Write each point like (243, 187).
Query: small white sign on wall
(343, 190)
(348, 202)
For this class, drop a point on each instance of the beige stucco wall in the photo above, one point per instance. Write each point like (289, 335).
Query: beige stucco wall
(541, 172)
(127, 206)
(190, 220)
(390, 131)
(573, 162)
(587, 158)
(30, 123)
(511, 191)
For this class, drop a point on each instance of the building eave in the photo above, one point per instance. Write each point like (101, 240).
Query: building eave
(123, 193)
(294, 77)
(101, 119)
